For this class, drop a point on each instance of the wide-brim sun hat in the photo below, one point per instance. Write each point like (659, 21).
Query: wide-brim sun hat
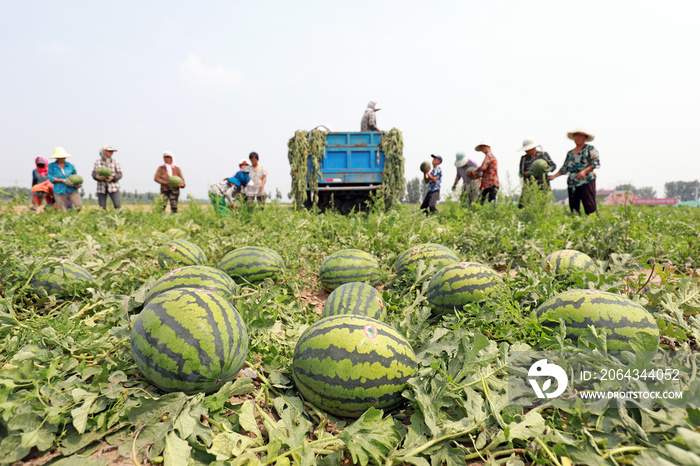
(589, 135)
(59, 153)
(483, 142)
(243, 162)
(528, 144)
(461, 160)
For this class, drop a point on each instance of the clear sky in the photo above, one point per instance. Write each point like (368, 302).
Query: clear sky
(212, 81)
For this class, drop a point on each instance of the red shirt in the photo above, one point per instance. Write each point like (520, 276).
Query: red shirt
(489, 172)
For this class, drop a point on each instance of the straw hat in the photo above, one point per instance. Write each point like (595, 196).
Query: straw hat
(528, 144)
(59, 153)
(461, 160)
(483, 142)
(589, 135)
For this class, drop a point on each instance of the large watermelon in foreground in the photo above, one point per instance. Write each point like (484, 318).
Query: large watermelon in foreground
(581, 308)
(189, 340)
(355, 298)
(58, 274)
(252, 264)
(455, 285)
(539, 167)
(563, 262)
(430, 253)
(349, 265)
(194, 276)
(180, 253)
(346, 364)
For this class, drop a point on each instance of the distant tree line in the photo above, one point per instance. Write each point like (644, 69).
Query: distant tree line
(683, 190)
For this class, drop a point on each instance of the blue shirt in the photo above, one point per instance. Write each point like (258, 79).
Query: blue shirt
(240, 179)
(435, 185)
(56, 172)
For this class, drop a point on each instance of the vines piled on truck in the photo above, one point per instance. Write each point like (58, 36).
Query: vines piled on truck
(301, 146)
(394, 181)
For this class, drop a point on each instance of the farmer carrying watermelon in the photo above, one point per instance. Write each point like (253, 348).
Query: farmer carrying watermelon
(107, 172)
(169, 177)
(61, 174)
(534, 166)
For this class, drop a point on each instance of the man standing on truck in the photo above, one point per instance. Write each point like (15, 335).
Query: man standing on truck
(433, 178)
(369, 119)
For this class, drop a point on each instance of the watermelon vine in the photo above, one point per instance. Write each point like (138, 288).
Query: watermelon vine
(301, 146)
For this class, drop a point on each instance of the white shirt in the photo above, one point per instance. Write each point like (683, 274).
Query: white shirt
(256, 176)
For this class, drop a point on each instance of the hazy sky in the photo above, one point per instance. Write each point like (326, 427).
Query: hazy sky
(212, 81)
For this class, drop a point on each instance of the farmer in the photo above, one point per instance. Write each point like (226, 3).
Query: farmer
(488, 172)
(579, 164)
(107, 185)
(42, 188)
(63, 190)
(228, 188)
(258, 177)
(470, 188)
(433, 178)
(369, 119)
(526, 161)
(163, 174)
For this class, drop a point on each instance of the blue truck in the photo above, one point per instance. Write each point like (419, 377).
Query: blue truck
(351, 169)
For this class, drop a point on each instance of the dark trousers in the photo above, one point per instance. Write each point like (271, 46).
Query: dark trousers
(584, 194)
(102, 200)
(170, 194)
(488, 194)
(430, 201)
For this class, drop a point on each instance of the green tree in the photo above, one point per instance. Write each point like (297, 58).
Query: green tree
(682, 190)
(414, 190)
(644, 191)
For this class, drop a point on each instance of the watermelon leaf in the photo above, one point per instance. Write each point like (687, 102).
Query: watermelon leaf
(371, 436)
(176, 452)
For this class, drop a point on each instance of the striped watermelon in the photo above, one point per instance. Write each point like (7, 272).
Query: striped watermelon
(58, 274)
(194, 276)
(180, 253)
(564, 261)
(189, 340)
(252, 264)
(346, 364)
(539, 167)
(436, 254)
(349, 265)
(357, 299)
(455, 285)
(581, 308)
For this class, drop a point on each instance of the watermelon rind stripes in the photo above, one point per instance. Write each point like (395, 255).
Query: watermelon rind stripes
(455, 285)
(346, 364)
(189, 340)
(180, 253)
(581, 308)
(252, 264)
(57, 273)
(355, 298)
(194, 276)
(349, 265)
(564, 261)
(430, 253)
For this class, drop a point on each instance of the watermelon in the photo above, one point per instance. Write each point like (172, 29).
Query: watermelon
(539, 167)
(455, 285)
(189, 340)
(357, 299)
(346, 266)
(472, 173)
(174, 181)
(580, 308)
(104, 171)
(176, 233)
(59, 274)
(424, 166)
(194, 276)
(76, 180)
(180, 253)
(437, 254)
(346, 364)
(252, 264)
(564, 261)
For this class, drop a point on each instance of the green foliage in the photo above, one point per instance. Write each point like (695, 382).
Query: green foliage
(69, 388)
(302, 148)
(394, 181)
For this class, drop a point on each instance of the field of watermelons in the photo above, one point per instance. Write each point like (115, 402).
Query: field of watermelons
(122, 342)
